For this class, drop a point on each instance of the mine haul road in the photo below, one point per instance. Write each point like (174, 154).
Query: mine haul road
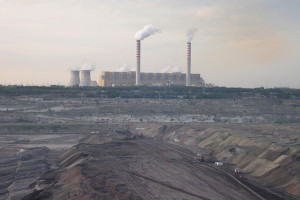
(190, 155)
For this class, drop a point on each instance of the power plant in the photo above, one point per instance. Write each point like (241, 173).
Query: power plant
(74, 79)
(137, 78)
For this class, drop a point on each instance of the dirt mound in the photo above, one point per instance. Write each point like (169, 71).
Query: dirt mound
(20, 169)
(269, 153)
(135, 169)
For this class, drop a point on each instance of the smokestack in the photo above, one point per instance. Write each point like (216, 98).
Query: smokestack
(140, 35)
(85, 77)
(190, 34)
(138, 62)
(188, 67)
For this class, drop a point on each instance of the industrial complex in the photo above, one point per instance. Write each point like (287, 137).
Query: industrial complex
(137, 78)
(111, 79)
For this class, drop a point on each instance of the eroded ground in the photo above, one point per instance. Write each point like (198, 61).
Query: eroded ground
(25, 157)
(138, 169)
(91, 110)
(258, 135)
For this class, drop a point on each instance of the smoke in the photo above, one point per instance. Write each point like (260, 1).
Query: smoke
(87, 66)
(146, 32)
(190, 34)
(126, 68)
(171, 69)
(74, 69)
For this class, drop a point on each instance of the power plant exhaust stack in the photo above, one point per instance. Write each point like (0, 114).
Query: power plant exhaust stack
(74, 79)
(188, 67)
(138, 62)
(85, 77)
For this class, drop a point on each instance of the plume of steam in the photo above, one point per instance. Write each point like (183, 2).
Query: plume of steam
(146, 32)
(73, 68)
(126, 68)
(87, 66)
(190, 34)
(170, 69)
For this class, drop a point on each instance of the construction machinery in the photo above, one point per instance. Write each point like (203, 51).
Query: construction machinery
(198, 158)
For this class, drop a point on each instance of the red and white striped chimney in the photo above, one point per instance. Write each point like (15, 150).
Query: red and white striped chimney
(138, 62)
(188, 68)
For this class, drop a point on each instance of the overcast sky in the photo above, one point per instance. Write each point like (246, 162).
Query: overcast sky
(239, 43)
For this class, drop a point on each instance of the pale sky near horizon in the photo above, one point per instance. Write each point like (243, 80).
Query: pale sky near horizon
(239, 43)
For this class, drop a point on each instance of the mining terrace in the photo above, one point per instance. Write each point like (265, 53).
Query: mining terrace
(146, 148)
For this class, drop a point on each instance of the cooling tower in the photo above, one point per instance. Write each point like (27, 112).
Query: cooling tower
(85, 77)
(138, 62)
(74, 79)
(188, 67)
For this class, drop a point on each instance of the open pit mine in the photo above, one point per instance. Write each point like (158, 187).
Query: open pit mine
(58, 145)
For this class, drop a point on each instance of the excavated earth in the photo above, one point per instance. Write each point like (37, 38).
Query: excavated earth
(19, 169)
(138, 169)
(24, 158)
(265, 154)
(83, 148)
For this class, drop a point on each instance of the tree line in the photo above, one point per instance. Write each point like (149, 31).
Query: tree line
(172, 92)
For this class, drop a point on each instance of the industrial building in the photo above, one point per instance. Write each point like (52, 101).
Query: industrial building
(74, 78)
(141, 78)
(83, 81)
(85, 78)
(155, 79)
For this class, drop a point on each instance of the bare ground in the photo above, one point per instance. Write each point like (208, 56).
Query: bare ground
(258, 135)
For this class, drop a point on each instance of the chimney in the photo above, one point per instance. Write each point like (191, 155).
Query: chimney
(188, 67)
(138, 62)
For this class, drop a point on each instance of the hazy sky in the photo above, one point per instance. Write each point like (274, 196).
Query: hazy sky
(239, 42)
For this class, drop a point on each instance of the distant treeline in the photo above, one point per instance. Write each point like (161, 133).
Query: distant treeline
(173, 92)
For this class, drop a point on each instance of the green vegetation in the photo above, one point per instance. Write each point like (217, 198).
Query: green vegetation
(178, 92)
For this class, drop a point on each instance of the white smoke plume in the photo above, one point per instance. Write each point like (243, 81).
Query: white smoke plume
(87, 66)
(73, 68)
(171, 69)
(126, 68)
(190, 34)
(146, 32)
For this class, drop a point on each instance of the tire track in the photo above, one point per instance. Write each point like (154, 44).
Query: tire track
(167, 185)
